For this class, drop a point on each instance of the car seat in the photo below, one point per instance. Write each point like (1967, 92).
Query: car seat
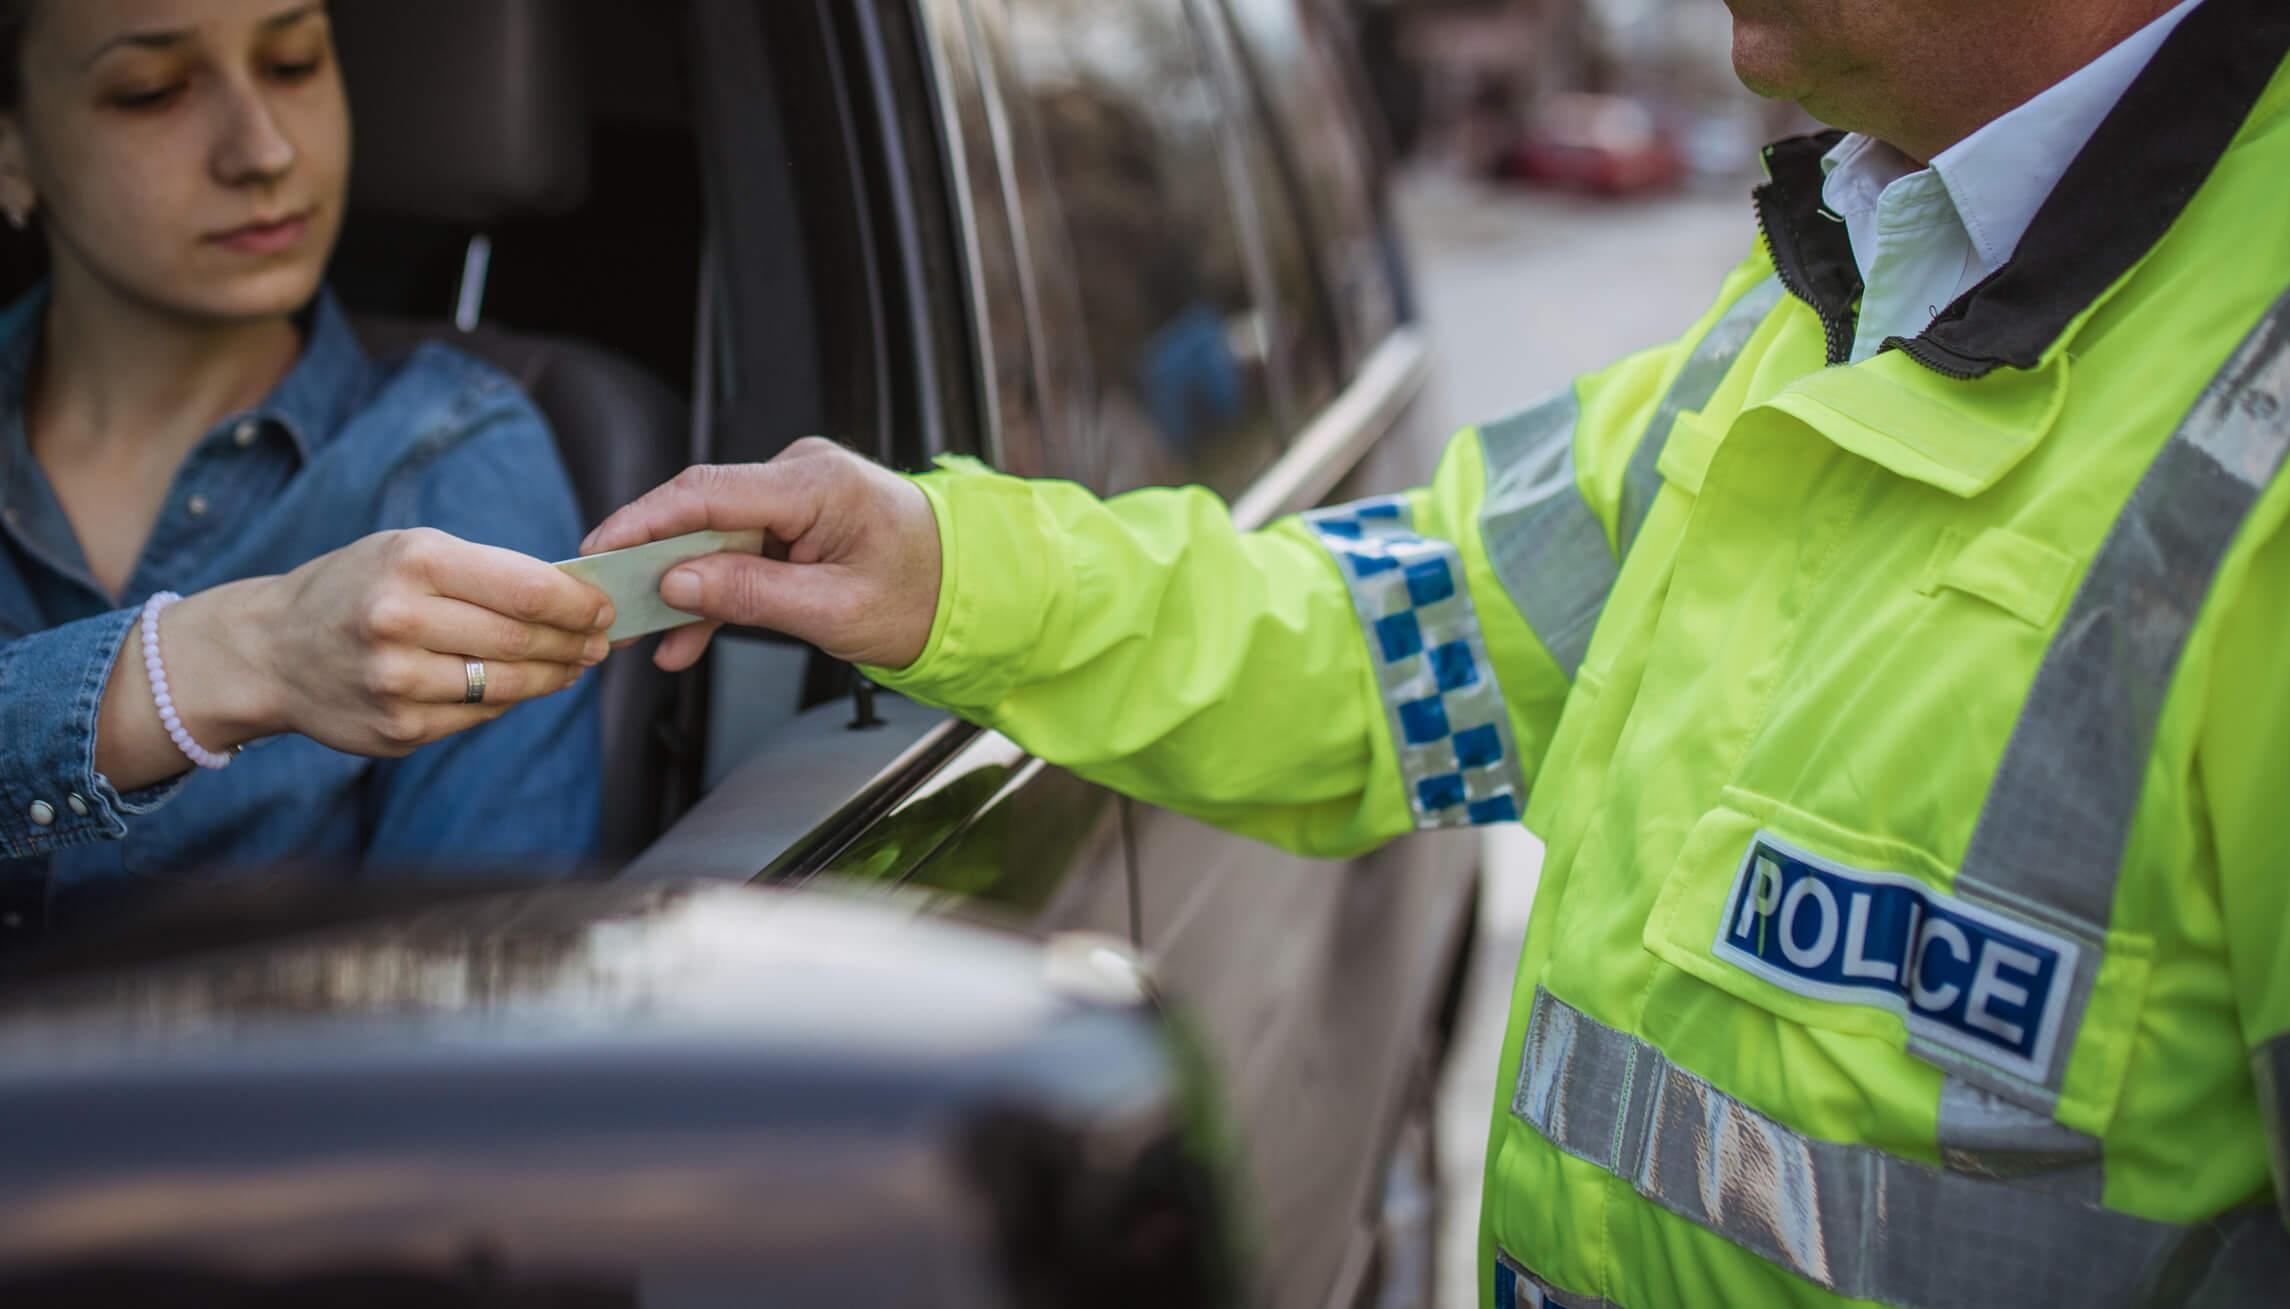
(470, 114)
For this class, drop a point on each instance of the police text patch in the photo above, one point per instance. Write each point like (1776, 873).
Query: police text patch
(1961, 976)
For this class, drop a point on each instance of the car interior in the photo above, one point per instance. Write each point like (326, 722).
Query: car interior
(531, 186)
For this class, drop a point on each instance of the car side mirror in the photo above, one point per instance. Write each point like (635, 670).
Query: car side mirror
(660, 1095)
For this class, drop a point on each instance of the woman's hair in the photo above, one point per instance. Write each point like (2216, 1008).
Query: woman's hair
(23, 255)
(15, 16)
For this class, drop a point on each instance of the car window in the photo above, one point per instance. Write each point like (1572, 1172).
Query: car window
(1301, 55)
(1130, 121)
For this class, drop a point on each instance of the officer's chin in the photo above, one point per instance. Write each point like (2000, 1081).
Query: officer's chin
(1765, 54)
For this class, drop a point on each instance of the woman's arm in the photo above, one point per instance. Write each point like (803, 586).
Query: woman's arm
(59, 697)
(361, 650)
(132, 747)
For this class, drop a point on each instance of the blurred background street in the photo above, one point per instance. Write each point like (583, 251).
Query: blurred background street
(1576, 182)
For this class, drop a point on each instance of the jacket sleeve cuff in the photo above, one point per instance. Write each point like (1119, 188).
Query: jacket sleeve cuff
(51, 697)
(1001, 579)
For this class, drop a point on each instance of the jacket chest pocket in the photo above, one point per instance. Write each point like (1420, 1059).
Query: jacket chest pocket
(1836, 930)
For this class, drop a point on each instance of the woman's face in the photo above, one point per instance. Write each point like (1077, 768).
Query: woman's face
(191, 156)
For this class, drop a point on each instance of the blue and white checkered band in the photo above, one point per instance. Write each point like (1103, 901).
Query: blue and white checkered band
(1449, 724)
(1516, 1288)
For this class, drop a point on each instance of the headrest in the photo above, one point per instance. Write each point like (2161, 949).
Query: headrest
(467, 111)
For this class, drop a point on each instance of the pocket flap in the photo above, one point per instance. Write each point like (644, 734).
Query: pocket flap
(2018, 574)
(1686, 455)
(1843, 932)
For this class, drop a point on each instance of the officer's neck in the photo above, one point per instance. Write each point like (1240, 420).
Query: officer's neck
(1942, 89)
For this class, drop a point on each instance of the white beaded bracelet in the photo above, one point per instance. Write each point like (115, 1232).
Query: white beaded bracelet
(191, 749)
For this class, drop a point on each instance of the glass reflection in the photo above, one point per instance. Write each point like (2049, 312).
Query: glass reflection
(1304, 60)
(1121, 101)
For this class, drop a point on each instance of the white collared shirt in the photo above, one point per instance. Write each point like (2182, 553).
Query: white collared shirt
(1923, 237)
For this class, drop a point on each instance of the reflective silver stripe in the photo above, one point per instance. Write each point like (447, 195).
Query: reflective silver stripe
(1712, 359)
(1988, 1136)
(1848, 1218)
(1450, 727)
(1517, 1288)
(1543, 538)
(2050, 841)
(2270, 1068)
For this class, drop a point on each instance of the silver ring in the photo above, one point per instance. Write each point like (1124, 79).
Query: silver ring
(474, 669)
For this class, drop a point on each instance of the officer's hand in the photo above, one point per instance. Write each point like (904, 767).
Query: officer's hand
(851, 555)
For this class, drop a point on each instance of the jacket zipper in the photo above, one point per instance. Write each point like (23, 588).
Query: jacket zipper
(1836, 339)
(1922, 353)
(1836, 332)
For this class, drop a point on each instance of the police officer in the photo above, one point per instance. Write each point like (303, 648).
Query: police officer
(1893, 667)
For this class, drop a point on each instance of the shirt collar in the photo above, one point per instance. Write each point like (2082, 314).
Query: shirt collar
(1858, 170)
(2001, 175)
(326, 386)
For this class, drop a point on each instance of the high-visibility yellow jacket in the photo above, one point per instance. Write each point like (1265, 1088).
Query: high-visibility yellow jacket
(1911, 741)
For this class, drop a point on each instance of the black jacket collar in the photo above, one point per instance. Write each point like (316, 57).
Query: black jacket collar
(2116, 200)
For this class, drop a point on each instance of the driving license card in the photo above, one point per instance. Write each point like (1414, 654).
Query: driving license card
(632, 578)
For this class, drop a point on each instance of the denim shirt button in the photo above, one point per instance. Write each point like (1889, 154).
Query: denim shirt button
(246, 434)
(77, 803)
(198, 506)
(42, 814)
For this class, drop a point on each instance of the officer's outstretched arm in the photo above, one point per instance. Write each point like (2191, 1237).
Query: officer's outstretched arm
(1324, 684)
(1331, 681)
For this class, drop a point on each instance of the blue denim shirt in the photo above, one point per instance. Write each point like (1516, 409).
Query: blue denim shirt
(345, 447)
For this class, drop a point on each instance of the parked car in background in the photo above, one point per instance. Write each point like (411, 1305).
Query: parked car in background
(870, 1005)
(1606, 145)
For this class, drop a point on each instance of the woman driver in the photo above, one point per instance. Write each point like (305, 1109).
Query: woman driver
(184, 410)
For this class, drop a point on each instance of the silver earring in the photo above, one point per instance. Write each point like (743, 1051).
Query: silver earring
(18, 217)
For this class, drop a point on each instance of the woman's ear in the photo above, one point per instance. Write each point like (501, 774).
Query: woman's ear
(19, 199)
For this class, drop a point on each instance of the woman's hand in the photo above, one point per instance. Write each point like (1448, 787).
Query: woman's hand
(363, 649)
(852, 561)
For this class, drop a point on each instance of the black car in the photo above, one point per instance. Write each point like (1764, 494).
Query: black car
(871, 1007)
